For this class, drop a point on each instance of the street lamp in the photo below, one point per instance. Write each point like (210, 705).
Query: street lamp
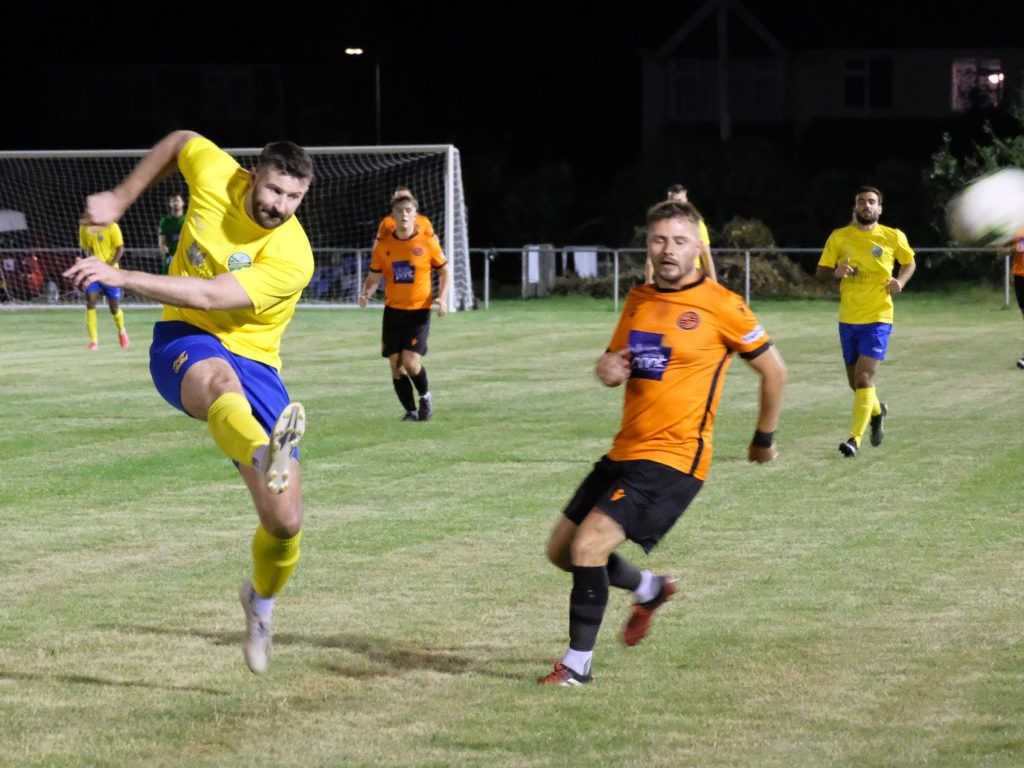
(376, 87)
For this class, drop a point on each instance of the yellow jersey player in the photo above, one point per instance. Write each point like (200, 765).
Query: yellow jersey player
(406, 259)
(671, 349)
(106, 244)
(862, 257)
(242, 262)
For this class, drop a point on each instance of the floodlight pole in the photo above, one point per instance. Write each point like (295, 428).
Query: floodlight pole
(376, 88)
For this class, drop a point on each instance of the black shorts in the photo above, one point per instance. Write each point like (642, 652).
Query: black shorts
(644, 497)
(404, 329)
(1018, 288)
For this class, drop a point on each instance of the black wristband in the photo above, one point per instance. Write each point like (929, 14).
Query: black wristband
(763, 439)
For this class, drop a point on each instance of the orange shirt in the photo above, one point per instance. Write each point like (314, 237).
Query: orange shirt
(407, 266)
(680, 343)
(1018, 255)
(388, 226)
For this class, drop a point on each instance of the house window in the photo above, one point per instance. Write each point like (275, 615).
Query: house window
(977, 83)
(868, 84)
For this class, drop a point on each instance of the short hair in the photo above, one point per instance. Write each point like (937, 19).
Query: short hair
(174, 195)
(405, 197)
(876, 190)
(675, 189)
(400, 191)
(288, 158)
(670, 209)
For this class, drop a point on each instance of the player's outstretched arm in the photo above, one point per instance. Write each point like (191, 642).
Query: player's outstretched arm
(613, 368)
(772, 371)
(104, 208)
(223, 292)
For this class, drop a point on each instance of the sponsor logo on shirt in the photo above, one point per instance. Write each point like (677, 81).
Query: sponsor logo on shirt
(647, 357)
(688, 320)
(403, 271)
(239, 260)
(754, 335)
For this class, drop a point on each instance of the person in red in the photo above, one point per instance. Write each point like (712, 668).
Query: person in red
(406, 259)
(671, 349)
(387, 224)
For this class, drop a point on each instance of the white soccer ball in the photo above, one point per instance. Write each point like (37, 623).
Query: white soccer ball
(989, 210)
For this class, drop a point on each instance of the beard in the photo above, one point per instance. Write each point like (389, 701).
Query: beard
(866, 218)
(268, 218)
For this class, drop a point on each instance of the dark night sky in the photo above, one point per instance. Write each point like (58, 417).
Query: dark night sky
(527, 82)
(555, 76)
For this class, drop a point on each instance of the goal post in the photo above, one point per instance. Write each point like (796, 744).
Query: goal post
(42, 195)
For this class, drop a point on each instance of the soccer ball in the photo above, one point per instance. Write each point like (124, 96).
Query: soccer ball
(989, 210)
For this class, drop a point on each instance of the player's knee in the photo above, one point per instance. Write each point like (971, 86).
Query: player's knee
(588, 550)
(284, 521)
(411, 364)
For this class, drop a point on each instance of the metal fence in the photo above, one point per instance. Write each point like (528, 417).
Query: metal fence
(33, 275)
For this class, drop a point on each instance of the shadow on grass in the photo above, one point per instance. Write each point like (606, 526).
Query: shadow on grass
(387, 656)
(91, 680)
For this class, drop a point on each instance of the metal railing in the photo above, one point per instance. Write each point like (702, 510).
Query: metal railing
(34, 274)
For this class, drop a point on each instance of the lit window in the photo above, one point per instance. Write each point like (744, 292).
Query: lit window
(977, 84)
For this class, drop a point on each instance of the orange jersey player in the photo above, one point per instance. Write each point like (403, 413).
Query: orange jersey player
(388, 225)
(406, 259)
(671, 348)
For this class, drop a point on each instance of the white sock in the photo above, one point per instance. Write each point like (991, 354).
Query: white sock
(650, 587)
(578, 661)
(262, 606)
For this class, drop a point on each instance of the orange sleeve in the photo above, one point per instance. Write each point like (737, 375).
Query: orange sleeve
(377, 258)
(740, 329)
(437, 259)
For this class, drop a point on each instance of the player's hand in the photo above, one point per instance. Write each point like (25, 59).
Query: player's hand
(613, 368)
(845, 269)
(761, 454)
(363, 298)
(894, 286)
(86, 271)
(102, 209)
(442, 308)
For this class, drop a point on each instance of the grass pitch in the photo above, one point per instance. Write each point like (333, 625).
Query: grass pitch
(862, 612)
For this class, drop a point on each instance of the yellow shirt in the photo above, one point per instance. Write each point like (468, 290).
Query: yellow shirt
(101, 243)
(272, 265)
(864, 297)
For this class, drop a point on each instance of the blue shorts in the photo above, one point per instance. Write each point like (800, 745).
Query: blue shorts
(114, 294)
(869, 340)
(177, 346)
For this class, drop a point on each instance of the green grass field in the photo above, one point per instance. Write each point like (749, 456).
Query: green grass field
(865, 612)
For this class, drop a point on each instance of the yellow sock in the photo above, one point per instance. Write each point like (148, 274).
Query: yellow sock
(863, 399)
(91, 325)
(273, 561)
(234, 428)
(876, 407)
(119, 319)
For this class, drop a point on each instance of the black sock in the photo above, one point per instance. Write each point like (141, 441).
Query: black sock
(622, 573)
(420, 380)
(587, 602)
(403, 388)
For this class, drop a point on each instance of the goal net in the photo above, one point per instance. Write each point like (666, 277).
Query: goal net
(42, 195)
